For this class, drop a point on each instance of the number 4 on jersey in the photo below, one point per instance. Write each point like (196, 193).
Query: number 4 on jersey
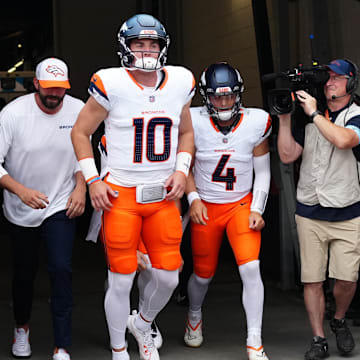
(229, 178)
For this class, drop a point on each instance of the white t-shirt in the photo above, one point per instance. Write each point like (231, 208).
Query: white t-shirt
(143, 123)
(36, 150)
(223, 168)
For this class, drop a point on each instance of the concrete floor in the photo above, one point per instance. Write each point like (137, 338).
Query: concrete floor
(286, 332)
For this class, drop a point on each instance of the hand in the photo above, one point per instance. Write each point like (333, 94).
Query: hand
(76, 203)
(256, 222)
(99, 195)
(177, 183)
(198, 212)
(142, 261)
(33, 198)
(307, 102)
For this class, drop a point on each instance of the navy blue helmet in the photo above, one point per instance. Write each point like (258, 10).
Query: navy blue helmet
(142, 26)
(221, 79)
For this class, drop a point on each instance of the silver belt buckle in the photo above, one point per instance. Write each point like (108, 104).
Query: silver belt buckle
(150, 193)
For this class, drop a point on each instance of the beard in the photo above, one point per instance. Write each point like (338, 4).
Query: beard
(50, 101)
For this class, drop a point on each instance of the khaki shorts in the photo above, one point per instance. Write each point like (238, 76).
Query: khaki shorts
(339, 241)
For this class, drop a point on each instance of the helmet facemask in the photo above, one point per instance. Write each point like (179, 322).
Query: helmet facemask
(222, 112)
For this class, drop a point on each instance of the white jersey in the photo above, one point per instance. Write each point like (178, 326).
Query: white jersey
(223, 168)
(142, 124)
(36, 150)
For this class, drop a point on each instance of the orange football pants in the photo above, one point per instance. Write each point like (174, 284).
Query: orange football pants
(206, 239)
(157, 224)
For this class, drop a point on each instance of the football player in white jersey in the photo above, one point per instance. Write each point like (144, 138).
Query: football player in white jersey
(149, 136)
(230, 146)
(44, 192)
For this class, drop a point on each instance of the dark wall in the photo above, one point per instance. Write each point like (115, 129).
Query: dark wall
(85, 36)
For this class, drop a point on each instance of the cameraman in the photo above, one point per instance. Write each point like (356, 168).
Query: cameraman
(328, 200)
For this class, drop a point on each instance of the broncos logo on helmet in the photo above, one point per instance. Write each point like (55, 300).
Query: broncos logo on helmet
(142, 26)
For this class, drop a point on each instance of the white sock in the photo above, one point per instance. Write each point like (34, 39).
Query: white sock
(117, 306)
(120, 355)
(143, 278)
(197, 289)
(253, 300)
(157, 293)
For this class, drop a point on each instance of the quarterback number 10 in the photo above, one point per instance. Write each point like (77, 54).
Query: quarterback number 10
(138, 123)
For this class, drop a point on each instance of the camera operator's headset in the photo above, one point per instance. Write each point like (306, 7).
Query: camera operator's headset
(353, 81)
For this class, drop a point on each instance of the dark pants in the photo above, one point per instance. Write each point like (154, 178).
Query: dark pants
(58, 233)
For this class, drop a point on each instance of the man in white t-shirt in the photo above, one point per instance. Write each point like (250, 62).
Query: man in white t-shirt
(44, 193)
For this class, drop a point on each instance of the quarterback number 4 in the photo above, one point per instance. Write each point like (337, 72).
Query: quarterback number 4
(166, 124)
(229, 178)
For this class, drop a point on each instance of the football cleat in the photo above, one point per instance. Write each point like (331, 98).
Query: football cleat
(193, 335)
(147, 348)
(256, 353)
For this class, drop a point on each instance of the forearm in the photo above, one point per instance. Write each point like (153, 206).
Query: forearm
(82, 144)
(339, 136)
(190, 183)
(80, 181)
(285, 141)
(10, 184)
(186, 143)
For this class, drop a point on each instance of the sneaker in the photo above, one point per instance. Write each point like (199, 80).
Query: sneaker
(256, 353)
(193, 335)
(156, 335)
(61, 354)
(318, 350)
(145, 341)
(21, 346)
(155, 332)
(344, 339)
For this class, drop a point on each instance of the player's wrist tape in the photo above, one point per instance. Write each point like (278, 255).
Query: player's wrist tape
(192, 196)
(183, 162)
(88, 169)
(261, 182)
(259, 201)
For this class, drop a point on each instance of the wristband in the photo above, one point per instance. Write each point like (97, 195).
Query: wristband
(93, 180)
(192, 196)
(88, 168)
(315, 113)
(183, 162)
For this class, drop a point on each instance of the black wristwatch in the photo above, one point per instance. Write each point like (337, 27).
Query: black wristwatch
(317, 112)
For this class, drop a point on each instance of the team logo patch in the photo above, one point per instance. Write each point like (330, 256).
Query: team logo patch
(225, 140)
(152, 98)
(148, 32)
(222, 90)
(55, 70)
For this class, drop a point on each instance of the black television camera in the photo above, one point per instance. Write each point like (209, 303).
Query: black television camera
(283, 100)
